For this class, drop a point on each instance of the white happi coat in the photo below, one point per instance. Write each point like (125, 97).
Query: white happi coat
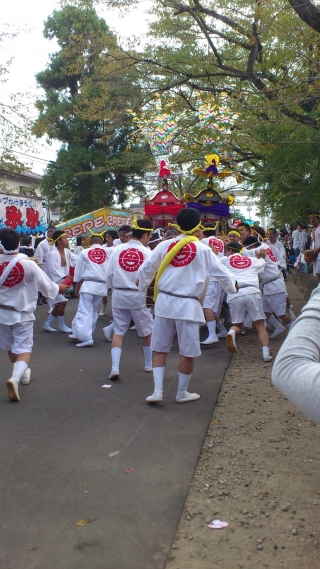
(185, 278)
(20, 289)
(246, 271)
(41, 253)
(219, 246)
(122, 274)
(271, 279)
(91, 267)
(315, 242)
(279, 252)
(55, 271)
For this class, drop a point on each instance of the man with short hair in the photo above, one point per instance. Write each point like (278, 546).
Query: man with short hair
(124, 235)
(278, 250)
(91, 271)
(272, 286)
(295, 239)
(42, 251)
(244, 230)
(20, 281)
(248, 300)
(127, 301)
(60, 264)
(182, 266)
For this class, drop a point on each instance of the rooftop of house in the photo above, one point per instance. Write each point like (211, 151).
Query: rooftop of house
(25, 175)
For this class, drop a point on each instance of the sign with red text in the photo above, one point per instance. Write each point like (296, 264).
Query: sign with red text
(96, 221)
(24, 215)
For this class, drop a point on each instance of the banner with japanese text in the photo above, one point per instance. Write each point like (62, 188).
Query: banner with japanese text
(25, 215)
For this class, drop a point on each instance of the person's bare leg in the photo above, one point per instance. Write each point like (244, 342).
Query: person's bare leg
(264, 339)
(186, 365)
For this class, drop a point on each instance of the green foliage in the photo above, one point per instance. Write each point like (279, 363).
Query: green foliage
(86, 94)
(267, 60)
(288, 179)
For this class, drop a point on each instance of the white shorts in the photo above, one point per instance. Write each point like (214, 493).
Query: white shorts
(248, 303)
(275, 303)
(165, 329)
(316, 266)
(142, 318)
(213, 298)
(59, 298)
(17, 338)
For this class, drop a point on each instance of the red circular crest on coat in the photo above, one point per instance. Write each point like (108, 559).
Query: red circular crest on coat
(217, 244)
(15, 276)
(271, 255)
(131, 259)
(240, 262)
(185, 256)
(97, 255)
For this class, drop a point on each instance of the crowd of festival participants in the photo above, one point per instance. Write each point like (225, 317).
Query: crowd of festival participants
(163, 284)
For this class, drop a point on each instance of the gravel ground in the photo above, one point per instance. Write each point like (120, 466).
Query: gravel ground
(259, 471)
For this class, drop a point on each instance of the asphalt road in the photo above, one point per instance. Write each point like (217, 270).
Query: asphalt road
(66, 446)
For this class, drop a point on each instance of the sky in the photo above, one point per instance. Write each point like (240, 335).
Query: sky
(30, 50)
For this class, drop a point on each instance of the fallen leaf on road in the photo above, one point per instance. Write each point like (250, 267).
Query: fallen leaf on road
(128, 470)
(84, 522)
(33, 548)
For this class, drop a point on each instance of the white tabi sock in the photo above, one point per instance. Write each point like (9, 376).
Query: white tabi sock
(289, 325)
(265, 351)
(115, 358)
(183, 384)
(212, 327)
(273, 321)
(219, 324)
(61, 321)
(158, 375)
(50, 319)
(147, 357)
(18, 370)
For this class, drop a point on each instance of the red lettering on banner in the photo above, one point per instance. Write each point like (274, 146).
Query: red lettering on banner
(98, 221)
(87, 225)
(32, 217)
(13, 217)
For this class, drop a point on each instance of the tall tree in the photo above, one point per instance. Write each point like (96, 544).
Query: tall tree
(86, 94)
(267, 60)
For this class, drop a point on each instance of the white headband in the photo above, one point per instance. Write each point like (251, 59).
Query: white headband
(8, 252)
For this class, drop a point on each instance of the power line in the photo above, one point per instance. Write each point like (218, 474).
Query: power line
(28, 156)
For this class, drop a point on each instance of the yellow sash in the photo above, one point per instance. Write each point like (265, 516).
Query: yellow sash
(168, 258)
